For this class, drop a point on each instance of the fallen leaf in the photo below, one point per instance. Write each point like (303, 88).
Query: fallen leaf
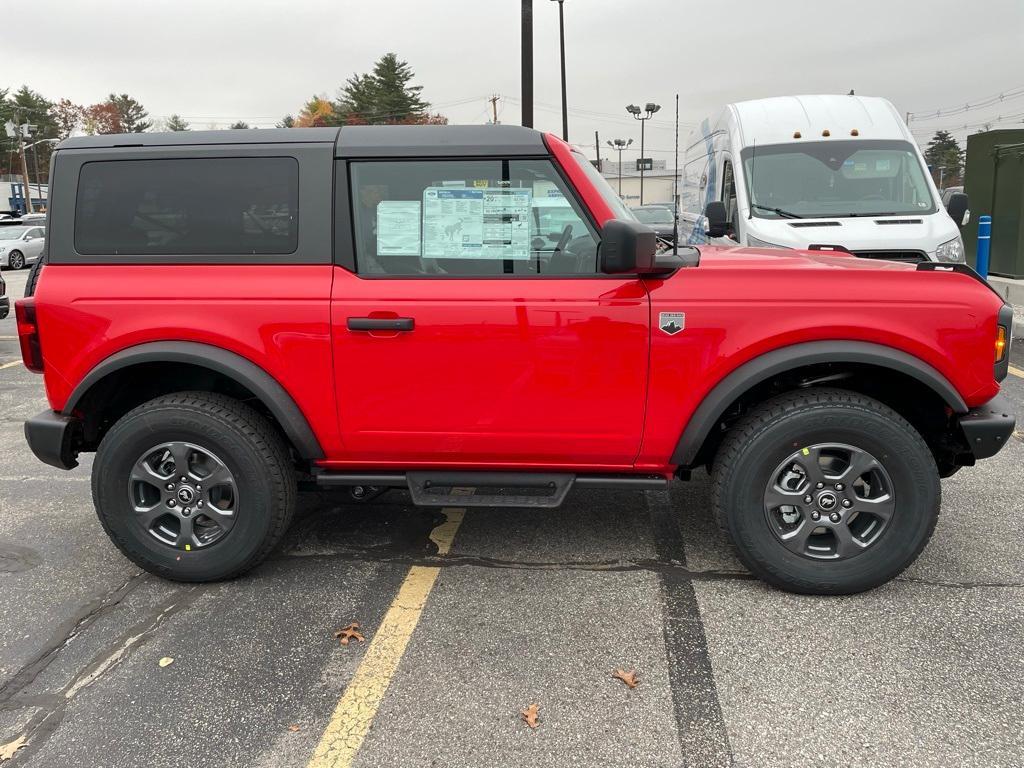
(530, 715)
(293, 727)
(166, 661)
(7, 750)
(629, 678)
(351, 632)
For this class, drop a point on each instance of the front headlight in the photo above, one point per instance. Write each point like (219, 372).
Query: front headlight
(753, 242)
(951, 250)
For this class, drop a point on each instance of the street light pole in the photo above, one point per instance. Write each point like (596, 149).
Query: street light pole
(527, 53)
(620, 144)
(561, 40)
(649, 109)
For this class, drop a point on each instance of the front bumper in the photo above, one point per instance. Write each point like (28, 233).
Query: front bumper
(988, 427)
(5, 306)
(54, 438)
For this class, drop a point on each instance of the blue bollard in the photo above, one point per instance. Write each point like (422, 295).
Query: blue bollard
(984, 244)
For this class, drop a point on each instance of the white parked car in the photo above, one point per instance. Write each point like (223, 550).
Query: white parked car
(20, 246)
(829, 172)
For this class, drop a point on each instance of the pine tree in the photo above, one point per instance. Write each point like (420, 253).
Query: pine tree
(176, 123)
(133, 114)
(384, 95)
(287, 122)
(944, 151)
(240, 125)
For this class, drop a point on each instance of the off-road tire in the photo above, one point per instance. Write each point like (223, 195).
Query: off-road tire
(252, 450)
(755, 446)
(33, 277)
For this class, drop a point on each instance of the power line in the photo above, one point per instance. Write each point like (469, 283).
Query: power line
(987, 101)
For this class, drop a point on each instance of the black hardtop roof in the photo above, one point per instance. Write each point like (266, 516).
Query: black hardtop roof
(350, 141)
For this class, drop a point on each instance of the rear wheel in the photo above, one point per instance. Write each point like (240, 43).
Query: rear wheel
(16, 260)
(826, 491)
(194, 486)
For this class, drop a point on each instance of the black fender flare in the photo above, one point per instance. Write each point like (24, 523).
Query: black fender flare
(233, 366)
(778, 361)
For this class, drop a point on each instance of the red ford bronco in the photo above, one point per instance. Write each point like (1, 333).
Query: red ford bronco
(223, 316)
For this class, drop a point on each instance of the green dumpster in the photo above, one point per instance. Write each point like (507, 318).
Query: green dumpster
(995, 186)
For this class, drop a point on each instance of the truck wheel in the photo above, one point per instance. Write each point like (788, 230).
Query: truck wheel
(826, 491)
(194, 486)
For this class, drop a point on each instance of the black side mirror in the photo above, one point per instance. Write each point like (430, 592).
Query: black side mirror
(627, 247)
(717, 219)
(957, 208)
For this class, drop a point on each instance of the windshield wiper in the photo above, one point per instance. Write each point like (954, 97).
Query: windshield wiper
(778, 211)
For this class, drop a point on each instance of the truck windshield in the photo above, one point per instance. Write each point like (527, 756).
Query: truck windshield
(619, 208)
(835, 179)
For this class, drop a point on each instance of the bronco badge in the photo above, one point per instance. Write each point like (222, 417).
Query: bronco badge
(672, 322)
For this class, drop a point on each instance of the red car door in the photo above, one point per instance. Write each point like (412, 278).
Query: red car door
(475, 330)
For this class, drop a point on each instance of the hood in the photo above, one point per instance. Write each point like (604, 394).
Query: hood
(868, 233)
(779, 258)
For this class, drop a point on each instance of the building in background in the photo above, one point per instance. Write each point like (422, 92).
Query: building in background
(12, 196)
(657, 182)
(994, 185)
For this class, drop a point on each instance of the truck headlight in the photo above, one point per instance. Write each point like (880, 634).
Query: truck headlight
(753, 242)
(951, 250)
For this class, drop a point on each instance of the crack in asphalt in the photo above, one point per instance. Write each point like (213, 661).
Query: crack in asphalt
(52, 707)
(652, 565)
(69, 629)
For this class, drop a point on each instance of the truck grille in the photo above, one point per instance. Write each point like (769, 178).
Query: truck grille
(907, 257)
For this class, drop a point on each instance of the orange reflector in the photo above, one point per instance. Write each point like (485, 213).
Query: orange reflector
(1000, 343)
(826, 132)
(796, 134)
(855, 132)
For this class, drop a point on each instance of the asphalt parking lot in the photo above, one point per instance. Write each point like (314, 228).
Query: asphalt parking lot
(527, 607)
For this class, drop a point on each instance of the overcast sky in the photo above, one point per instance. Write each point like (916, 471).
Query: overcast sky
(217, 61)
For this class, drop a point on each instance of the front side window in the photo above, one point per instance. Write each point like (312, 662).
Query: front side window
(233, 206)
(835, 179)
(469, 218)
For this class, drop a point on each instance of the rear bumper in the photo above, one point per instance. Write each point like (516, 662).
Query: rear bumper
(5, 306)
(988, 427)
(54, 438)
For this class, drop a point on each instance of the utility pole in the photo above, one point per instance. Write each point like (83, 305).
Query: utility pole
(565, 107)
(24, 165)
(597, 151)
(494, 108)
(527, 54)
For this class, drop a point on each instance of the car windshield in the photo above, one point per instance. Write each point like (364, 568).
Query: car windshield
(12, 233)
(834, 179)
(619, 208)
(653, 215)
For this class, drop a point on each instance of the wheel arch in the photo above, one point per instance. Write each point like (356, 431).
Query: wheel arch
(795, 365)
(179, 365)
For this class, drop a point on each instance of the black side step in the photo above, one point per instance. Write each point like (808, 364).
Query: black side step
(435, 488)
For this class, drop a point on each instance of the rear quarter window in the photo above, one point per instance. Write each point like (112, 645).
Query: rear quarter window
(188, 206)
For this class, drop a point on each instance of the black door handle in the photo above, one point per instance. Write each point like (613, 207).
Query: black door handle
(381, 323)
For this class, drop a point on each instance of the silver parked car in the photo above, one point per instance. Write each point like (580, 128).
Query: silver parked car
(20, 246)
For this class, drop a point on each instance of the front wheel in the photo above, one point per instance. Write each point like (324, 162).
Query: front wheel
(194, 486)
(826, 491)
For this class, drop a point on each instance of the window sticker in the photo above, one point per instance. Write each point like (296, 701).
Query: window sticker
(476, 223)
(398, 228)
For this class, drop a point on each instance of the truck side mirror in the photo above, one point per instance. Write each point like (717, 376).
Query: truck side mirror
(716, 219)
(957, 208)
(627, 247)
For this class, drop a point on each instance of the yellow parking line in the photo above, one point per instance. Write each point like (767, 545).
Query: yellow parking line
(1017, 372)
(10, 364)
(358, 706)
(8, 338)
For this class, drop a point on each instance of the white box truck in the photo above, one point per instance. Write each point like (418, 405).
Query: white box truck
(828, 172)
